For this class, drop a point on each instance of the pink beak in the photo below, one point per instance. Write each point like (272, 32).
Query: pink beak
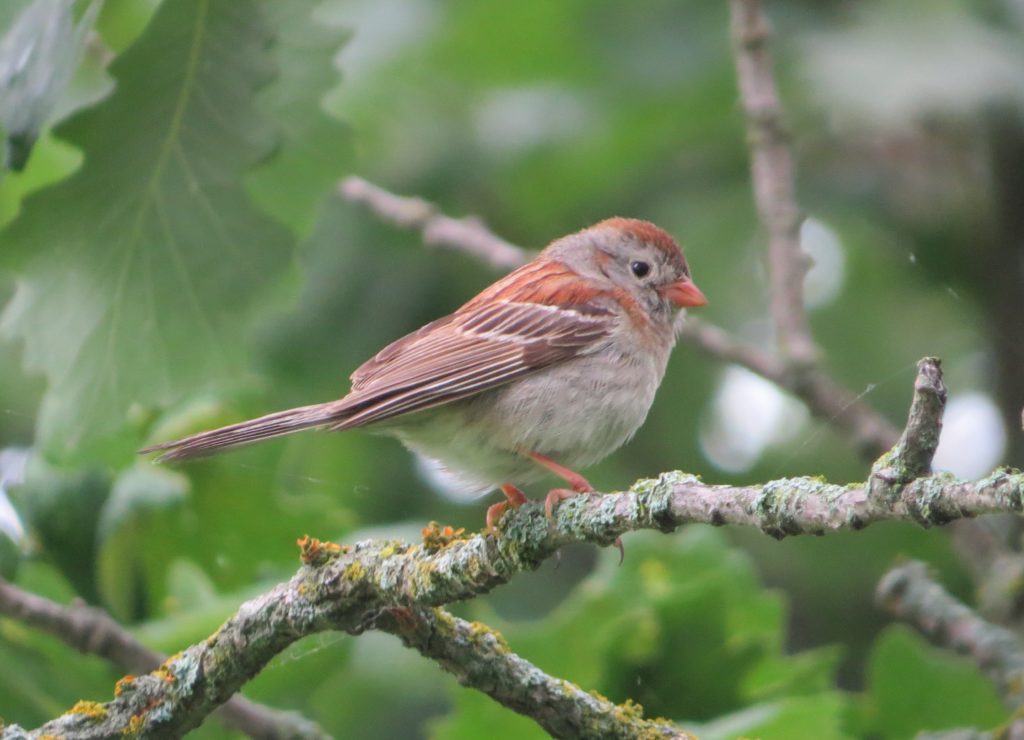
(683, 293)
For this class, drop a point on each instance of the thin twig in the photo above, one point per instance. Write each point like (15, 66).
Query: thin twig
(772, 174)
(468, 234)
(92, 631)
(869, 432)
(911, 456)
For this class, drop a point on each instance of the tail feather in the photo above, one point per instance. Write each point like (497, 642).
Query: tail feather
(265, 427)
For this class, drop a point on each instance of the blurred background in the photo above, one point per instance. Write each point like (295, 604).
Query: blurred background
(174, 256)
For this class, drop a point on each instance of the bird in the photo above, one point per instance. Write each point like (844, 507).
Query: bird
(549, 369)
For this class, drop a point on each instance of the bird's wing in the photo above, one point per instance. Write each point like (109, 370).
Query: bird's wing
(484, 344)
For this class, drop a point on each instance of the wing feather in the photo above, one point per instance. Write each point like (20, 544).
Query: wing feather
(481, 346)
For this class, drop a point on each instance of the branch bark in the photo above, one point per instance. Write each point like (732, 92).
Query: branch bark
(909, 593)
(479, 658)
(92, 631)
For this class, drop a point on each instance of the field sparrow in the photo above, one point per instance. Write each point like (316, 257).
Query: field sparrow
(552, 367)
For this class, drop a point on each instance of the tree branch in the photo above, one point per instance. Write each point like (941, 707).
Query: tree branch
(772, 174)
(480, 659)
(92, 631)
(349, 588)
(909, 593)
(469, 235)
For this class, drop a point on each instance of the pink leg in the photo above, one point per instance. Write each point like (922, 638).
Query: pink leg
(578, 482)
(516, 498)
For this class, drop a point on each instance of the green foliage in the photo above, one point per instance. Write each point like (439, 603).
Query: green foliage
(62, 507)
(125, 243)
(914, 687)
(132, 558)
(314, 149)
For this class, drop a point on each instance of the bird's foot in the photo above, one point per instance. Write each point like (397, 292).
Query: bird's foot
(554, 497)
(515, 499)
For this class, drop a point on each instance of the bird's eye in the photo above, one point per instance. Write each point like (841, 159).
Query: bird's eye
(640, 269)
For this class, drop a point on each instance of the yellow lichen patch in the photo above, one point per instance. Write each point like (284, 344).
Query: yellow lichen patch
(164, 673)
(134, 727)
(315, 552)
(123, 684)
(630, 710)
(436, 537)
(90, 709)
(355, 571)
(479, 629)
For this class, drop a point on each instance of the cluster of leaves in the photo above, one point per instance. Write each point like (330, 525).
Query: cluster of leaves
(172, 257)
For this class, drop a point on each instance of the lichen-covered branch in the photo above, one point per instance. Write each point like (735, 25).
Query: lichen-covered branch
(92, 631)
(349, 588)
(773, 177)
(911, 456)
(480, 659)
(468, 234)
(909, 592)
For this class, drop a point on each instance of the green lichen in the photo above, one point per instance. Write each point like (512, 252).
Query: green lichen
(780, 504)
(930, 503)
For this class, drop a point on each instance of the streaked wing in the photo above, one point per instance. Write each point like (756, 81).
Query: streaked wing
(479, 347)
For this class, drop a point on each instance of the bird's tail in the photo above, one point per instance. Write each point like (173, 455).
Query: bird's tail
(266, 427)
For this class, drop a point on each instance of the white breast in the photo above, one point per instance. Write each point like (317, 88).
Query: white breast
(576, 413)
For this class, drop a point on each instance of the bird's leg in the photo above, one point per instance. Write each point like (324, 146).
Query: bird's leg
(515, 499)
(555, 495)
(578, 482)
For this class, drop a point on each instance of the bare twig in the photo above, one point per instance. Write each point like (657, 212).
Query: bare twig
(92, 631)
(870, 433)
(479, 658)
(468, 235)
(908, 592)
(349, 588)
(773, 177)
(911, 457)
